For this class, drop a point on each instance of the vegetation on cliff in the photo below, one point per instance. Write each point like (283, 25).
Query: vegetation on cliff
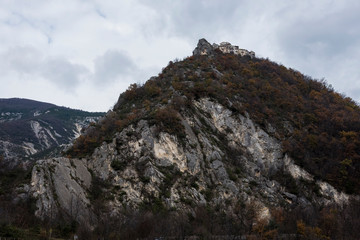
(318, 127)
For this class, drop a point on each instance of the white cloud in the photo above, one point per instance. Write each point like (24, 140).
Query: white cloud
(72, 48)
(24, 60)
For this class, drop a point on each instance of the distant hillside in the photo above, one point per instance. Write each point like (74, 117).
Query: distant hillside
(30, 129)
(21, 104)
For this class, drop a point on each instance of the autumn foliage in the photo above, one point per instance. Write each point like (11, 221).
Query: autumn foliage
(318, 127)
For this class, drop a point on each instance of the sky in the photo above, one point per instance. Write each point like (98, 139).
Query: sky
(83, 53)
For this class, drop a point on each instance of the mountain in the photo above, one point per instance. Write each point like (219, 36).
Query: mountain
(30, 129)
(220, 145)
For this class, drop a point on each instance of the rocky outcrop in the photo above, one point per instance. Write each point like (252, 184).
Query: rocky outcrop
(224, 158)
(205, 48)
(60, 186)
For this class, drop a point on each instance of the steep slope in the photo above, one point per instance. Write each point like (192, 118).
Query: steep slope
(317, 127)
(223, 136)
(31, 129)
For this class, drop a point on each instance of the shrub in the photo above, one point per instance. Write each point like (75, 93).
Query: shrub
(169, 121)
(117, 165)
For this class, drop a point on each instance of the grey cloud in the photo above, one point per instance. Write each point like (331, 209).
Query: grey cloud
(329, 35)
(195, 19)
(108, 68)
(112, 65)
(63, 73)
(24, 60)
(31, 62)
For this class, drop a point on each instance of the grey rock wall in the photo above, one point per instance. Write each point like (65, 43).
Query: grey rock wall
(224, 157)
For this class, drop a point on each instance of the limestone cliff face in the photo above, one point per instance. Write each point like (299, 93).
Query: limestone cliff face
(224, 158)
(60, 185)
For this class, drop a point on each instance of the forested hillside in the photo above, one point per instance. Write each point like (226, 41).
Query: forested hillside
(317, 126)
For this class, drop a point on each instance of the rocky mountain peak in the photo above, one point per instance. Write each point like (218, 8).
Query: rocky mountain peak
(205, 48)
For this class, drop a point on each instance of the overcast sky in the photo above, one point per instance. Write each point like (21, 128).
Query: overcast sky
(84, 53)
